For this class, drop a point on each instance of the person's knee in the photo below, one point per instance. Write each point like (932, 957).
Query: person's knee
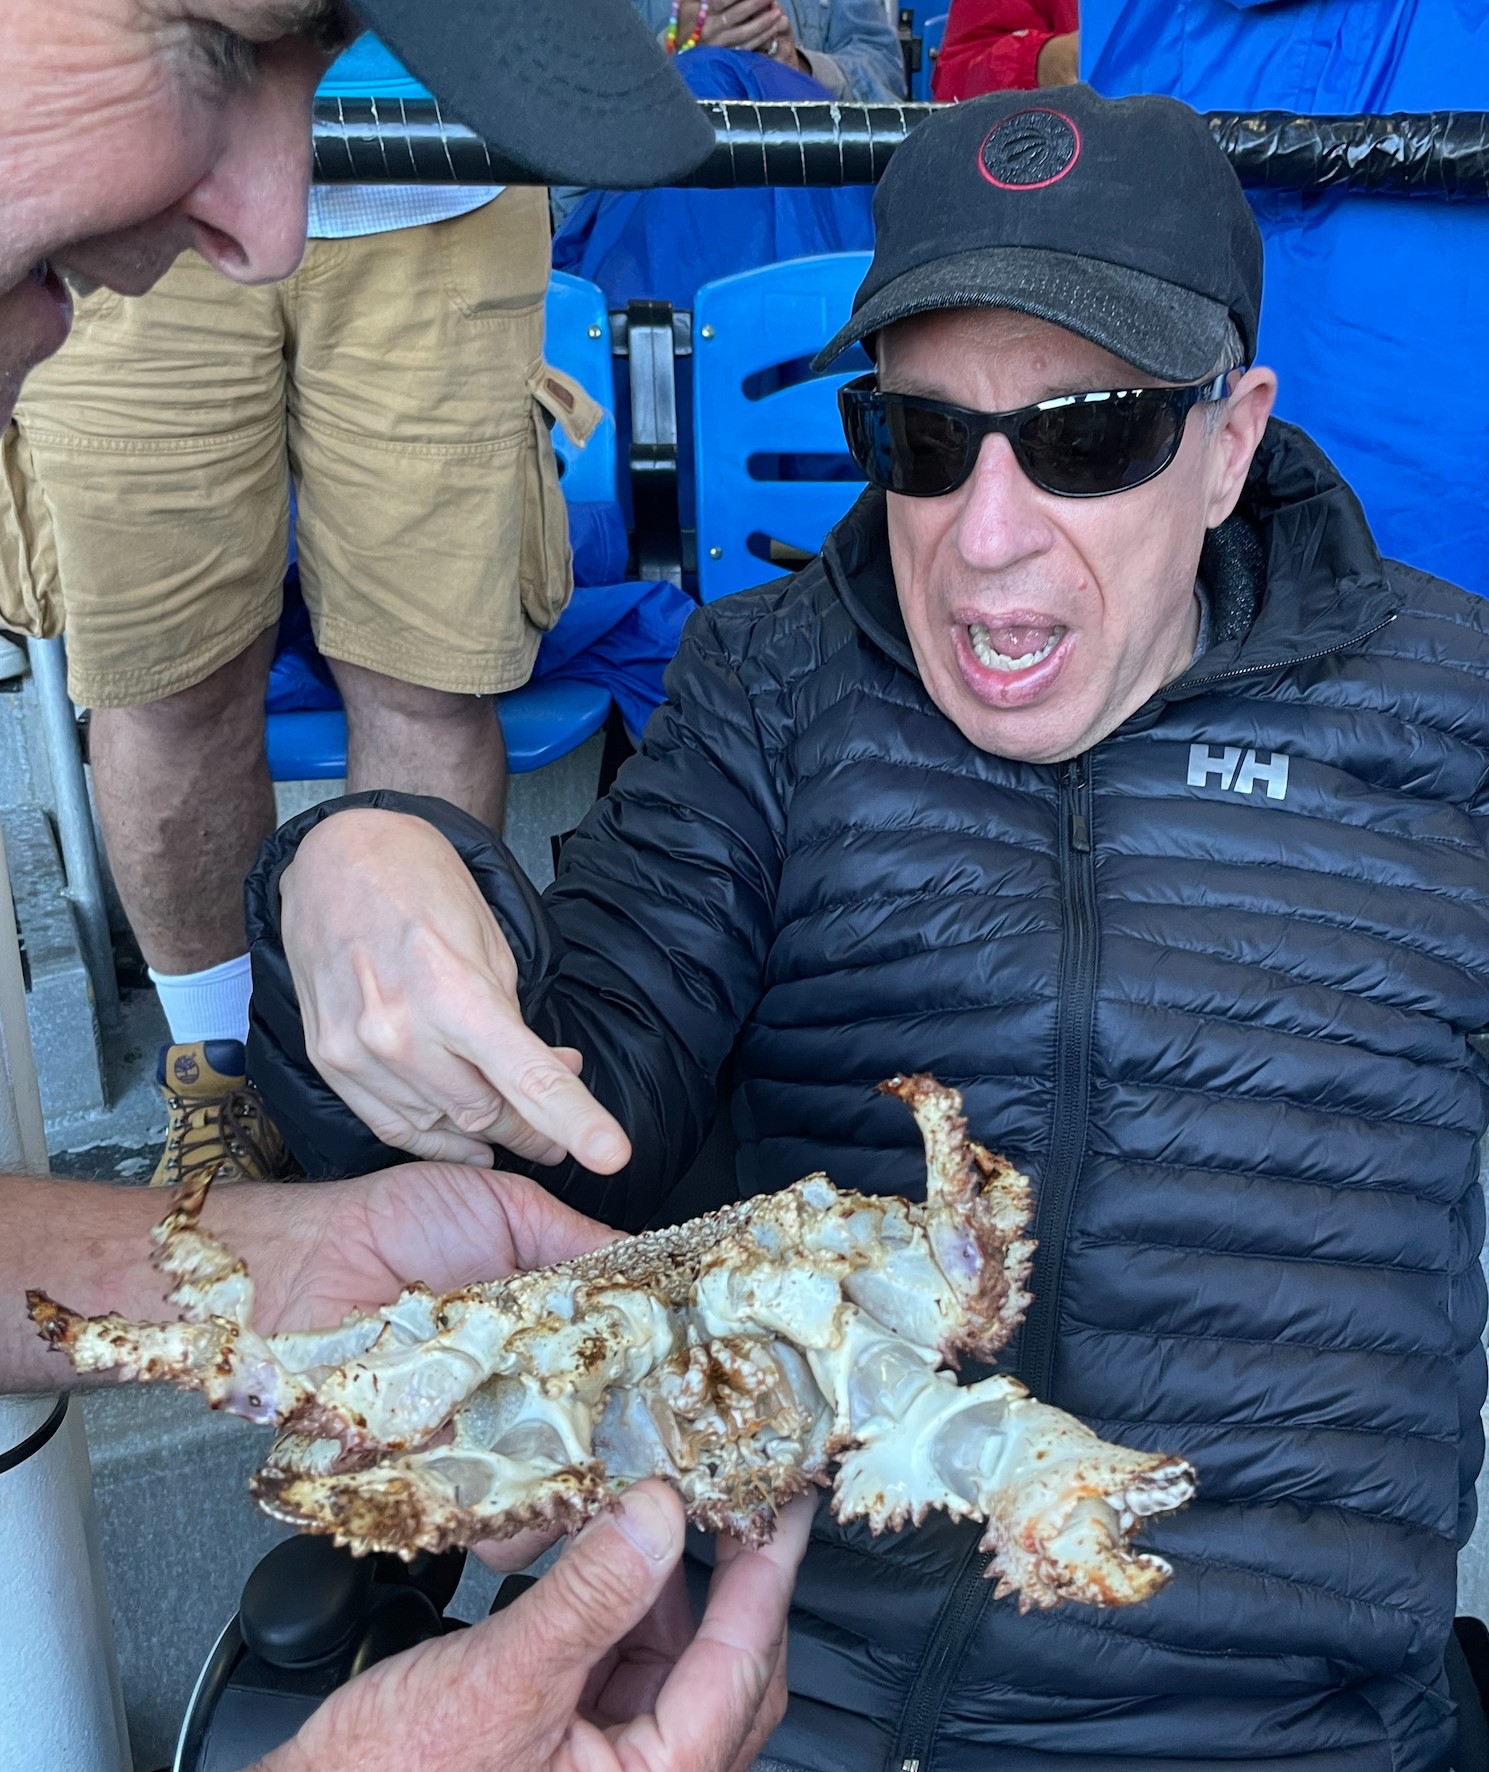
(371, 696)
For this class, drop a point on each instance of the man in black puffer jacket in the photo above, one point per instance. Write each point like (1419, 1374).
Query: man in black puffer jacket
(1102, 767)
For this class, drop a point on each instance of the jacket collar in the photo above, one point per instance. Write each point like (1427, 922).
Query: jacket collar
(1294, 574)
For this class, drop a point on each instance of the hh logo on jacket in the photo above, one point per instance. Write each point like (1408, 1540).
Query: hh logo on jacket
(1238, 770)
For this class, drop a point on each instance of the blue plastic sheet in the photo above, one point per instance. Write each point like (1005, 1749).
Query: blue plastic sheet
(597, 536)
(299, 678)
(622, 637)
(1375, 315)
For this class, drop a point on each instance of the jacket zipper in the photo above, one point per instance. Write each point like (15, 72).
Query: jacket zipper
(1288, 663)
(1075, 1014)
(955, 1624)
(961, 1614)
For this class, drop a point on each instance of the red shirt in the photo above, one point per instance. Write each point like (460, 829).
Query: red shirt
(994, 45)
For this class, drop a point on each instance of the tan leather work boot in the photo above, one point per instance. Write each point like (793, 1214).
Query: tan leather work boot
(216, 1120)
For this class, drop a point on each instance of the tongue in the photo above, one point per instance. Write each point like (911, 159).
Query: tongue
(1018, 642)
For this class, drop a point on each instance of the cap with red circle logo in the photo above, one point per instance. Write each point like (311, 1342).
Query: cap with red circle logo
(1118, 219)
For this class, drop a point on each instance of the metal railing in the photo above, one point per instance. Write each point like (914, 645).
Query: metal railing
(1441, 154)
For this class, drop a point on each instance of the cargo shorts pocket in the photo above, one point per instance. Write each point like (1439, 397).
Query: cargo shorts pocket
(566, 403)
(547, 569)
(30, 585)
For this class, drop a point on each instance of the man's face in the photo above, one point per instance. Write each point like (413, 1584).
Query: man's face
(1040, 623)
(136, 129)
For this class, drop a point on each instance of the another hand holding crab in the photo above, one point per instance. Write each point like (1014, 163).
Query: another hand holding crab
(599, 1668)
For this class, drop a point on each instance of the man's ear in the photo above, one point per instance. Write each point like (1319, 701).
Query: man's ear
(1236, 440)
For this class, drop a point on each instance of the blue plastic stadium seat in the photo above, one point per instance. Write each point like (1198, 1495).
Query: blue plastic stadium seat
(541, 722)
(773, 471)
(577, 341)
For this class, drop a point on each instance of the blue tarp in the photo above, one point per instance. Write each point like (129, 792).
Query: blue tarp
(1375, 312)
(616, 632)
(621, 636)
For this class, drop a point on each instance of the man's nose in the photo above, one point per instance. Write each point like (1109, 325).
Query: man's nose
(250, 209)
(1001, 520)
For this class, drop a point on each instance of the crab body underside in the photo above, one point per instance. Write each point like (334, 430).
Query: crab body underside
(741, 1356)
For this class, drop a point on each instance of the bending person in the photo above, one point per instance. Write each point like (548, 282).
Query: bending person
(399, 371)
(176, 127)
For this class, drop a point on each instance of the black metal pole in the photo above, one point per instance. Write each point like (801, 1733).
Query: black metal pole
(1441, 154)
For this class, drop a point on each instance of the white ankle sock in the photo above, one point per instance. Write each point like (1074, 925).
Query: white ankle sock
(210, 1005)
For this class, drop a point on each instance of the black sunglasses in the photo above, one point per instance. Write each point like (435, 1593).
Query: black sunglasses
(1078, 446)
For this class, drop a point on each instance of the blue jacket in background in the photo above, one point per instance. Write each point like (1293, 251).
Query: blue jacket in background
(1375, 307)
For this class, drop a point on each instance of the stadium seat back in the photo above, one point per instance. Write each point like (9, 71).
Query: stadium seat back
(773, 472)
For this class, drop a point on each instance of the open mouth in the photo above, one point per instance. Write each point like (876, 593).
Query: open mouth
(1013, 648)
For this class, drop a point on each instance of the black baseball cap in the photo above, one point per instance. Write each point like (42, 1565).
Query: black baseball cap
(579, 91)
(1118, 219)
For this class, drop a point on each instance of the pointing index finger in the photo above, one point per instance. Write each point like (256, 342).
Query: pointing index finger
(544, 1091)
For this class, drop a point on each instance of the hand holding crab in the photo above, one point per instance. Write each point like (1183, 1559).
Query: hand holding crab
(545, 1686)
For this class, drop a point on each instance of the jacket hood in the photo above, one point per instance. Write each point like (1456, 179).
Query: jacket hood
(1293, 573)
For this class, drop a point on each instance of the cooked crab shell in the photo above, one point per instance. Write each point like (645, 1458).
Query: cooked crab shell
(799, 1338)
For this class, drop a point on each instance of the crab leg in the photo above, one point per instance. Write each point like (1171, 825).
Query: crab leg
(231, 1367)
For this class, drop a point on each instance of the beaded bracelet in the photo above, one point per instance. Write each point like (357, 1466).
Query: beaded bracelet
(694, 36)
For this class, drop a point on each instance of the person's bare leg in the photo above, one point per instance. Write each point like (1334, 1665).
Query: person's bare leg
(423, 741)
(185, 800)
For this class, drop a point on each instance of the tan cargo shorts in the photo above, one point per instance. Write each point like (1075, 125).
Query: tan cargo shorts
(398, 379)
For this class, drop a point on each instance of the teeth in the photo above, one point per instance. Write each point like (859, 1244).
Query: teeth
(989, 655)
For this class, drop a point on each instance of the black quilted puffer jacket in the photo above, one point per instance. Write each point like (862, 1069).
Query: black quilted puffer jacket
(1212, 984)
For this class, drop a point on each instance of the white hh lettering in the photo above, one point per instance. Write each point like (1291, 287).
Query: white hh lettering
(1238, 770)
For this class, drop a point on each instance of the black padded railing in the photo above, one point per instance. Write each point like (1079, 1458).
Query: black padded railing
(1441, 155)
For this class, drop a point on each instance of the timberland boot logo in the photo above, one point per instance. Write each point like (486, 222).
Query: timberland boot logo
(185, 1069)
(1237, 770)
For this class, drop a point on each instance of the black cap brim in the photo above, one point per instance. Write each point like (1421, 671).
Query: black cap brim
(579, 91)
(1157, 327)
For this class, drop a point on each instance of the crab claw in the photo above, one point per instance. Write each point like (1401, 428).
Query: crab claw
(1061, 1533)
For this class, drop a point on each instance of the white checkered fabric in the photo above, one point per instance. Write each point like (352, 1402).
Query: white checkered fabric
(343, 212)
